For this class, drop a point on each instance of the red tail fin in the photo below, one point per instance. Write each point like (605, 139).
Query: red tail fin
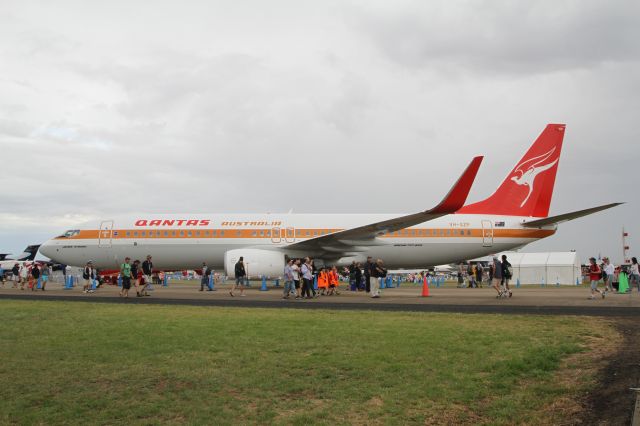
(527, 190)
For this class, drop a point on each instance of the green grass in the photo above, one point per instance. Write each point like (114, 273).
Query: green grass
(105, 364)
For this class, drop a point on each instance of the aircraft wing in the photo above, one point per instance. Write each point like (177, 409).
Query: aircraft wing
(554, 220)
(354, 239)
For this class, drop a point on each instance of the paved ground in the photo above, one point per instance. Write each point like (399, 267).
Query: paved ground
(525, 300)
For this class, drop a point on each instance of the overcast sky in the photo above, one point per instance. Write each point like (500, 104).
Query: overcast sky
(333, 106)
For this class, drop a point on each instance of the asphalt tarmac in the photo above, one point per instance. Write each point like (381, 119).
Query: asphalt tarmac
(550, 300)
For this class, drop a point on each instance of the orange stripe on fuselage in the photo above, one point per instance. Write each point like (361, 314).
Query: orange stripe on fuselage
(123, 234)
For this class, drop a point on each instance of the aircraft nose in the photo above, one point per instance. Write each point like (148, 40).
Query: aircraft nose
(48, 249)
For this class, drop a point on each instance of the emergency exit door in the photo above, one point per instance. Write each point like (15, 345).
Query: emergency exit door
(487, 233)
(275, 235)
(106, 233)
(290, 236)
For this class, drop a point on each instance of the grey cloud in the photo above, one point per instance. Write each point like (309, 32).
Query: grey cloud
(263, 115)
(507, 37)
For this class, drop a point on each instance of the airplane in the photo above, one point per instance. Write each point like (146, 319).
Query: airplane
(515, 215)
(27, 255)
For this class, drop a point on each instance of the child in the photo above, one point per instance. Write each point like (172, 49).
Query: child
(333, 281)
(323, 281)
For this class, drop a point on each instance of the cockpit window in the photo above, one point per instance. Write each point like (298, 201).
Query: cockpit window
(70, 233)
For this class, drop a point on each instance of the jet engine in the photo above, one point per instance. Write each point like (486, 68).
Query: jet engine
(257, 263)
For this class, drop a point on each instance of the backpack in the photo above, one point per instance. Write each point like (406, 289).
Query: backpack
(508, 273)
(383, 274)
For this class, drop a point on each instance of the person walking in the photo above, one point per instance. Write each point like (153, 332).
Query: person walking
(358, 277)
(45, 271)
(35, 275)
(506, 275)
(634, 274)
(497, 276)
(334, 281)
(594, 276)
(125, 274)
(307, 279)
(24, 275)
(378, 273)
(608, 273)
(353, 286)
(368, 268)
(471, 275)
(295, 272)
(241, 274)
(288, 279)
(15, 271)
(323, 281)
(204, 279)
(136, 276)
(88, 274)
(479, 273)
(147, 271)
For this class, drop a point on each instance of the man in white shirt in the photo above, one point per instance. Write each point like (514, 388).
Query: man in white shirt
(295, 272)
(288, 279)
(634, 274)
(609, 270)
(307, 278)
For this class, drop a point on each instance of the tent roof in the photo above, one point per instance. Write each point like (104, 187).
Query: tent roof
(567, 258)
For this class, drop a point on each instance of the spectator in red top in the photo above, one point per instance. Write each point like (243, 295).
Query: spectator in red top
(594, 276)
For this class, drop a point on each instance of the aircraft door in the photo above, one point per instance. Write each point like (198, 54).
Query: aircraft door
(106, 234)
(487, 233)
(290, 236)
(275, 235)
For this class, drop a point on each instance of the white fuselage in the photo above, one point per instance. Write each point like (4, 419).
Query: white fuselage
(185, 241)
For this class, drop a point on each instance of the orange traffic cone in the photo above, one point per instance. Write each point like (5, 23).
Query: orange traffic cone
(425, 288)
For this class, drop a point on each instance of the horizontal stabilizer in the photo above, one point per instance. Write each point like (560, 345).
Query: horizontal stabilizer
(554, 220)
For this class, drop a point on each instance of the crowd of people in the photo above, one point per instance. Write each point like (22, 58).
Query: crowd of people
(303, 280)
(497, 274)
(32, 276)
(301, 277)
(136, 273)
(611, 276)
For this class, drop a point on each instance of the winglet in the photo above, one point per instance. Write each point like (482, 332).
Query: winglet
(457, 195)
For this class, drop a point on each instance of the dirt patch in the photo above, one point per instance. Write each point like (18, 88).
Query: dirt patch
(611, 402)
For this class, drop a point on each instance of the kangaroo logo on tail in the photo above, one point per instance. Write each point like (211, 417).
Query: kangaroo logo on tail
(527, 171)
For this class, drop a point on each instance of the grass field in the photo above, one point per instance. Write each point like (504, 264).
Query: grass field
(105, 364)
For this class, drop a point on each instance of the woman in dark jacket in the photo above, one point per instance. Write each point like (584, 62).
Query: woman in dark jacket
(506, 273)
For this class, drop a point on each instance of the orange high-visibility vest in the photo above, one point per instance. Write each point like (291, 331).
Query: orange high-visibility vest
(333, 278)
(322, 280)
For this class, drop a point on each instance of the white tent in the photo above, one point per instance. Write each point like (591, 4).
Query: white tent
(551, 267)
